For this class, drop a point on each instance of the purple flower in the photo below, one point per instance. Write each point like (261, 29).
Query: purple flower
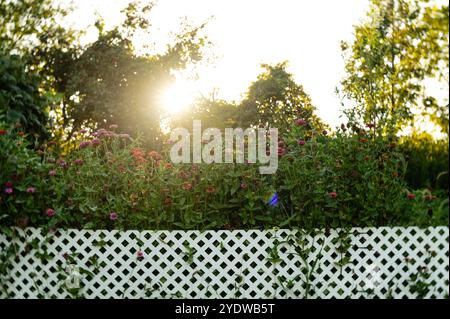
(78, 161)
(300, 122)
(8, 190)
(113, 216)
(96, 142)
(82, 131)
(301, 142)
(31, 190)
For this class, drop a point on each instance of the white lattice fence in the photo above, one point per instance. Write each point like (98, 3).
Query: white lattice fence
(373, 263)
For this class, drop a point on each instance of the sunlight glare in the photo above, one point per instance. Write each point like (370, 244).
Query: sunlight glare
(178, 97)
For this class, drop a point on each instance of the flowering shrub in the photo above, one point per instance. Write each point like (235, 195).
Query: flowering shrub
(109, 181)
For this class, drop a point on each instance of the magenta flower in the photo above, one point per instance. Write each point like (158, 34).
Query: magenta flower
(140, 254)
(78, 161)
(84, 144)
(333, 194)
(31, 190)
(113, 216)
(8, 184)
(50, 212)
(82, 131)
(96, 142)
(8, 190)
(52, 172)
(301, 142)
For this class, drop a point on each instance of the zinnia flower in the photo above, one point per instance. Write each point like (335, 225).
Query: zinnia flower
(31, 190)
(113, 216)
(282, 151)
(333, 194)
(140, 254)
(8, 184)
(301, 142)
(168, 165)
(187, 186)
(50, 212)
(8, 190)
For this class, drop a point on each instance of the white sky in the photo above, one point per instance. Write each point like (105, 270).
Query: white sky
(247, 33)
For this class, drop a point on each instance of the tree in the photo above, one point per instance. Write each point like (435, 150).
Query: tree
(274, 99)
(402, 43)
(107, 82)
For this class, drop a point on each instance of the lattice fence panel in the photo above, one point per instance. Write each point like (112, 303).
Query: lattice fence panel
(382, 262)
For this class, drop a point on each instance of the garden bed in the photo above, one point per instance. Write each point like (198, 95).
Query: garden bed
(395, 262)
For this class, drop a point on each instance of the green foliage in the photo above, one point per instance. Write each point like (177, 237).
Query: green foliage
(427, 161)
(24, 191)
(21, 102)
(109, 181)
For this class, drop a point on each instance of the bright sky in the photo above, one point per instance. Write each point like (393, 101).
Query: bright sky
(247, 33)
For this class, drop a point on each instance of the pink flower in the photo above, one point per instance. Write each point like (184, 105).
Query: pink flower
(301, 142)
(410, 196)
(140, 254)
(82, 131)
(8, 190)
(96, 142)
(31, 190)
(282, 151)
(50, 212)
(8, 184)
(52, 172)
(244, 186)
(84, 144)
(333, 194)
(113, 216)
(78, 161)
(301, 122)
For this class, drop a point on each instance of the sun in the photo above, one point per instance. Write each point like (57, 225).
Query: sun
(178, 96)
